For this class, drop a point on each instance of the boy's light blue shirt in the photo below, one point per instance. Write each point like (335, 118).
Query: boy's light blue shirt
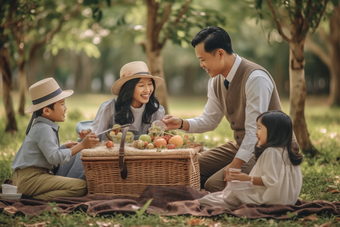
(41, 147)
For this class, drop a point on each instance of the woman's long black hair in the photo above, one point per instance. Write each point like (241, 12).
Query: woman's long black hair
(279, 134)
(123, 114)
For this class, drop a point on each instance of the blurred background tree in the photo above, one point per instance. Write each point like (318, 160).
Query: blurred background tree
(325, 44)
(298, 17)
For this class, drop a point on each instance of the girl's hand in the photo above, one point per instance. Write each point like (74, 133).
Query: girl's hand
(70, 143)
(90, 140)
(240, 176)
(83, 133)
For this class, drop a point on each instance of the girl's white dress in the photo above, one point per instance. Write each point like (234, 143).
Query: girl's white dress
(282, 180)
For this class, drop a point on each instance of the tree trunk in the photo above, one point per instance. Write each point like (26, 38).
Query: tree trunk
(155, 64)
(334, 38)
(87, 66)
(22, 88)
(77, 70)
(298, 96)
(189, 79)
(33, 70)
(153, 51)
(6, 72)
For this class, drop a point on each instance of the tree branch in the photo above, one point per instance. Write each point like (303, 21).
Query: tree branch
(48, 36)
(320, 16)
(165, 17)
(278, 25)
(179, 16)
(318, 51)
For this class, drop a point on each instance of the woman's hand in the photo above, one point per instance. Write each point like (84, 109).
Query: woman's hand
(83, 133)
(172, 122)
(239, 176)
(70, 143)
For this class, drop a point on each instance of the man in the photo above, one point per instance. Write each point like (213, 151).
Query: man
(238, 89)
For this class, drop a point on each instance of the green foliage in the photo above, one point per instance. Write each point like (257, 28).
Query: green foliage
(141, 211)
(75, 114)
(309, 11)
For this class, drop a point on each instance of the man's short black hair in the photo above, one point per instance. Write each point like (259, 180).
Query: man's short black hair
(213, 38)
(40, 111)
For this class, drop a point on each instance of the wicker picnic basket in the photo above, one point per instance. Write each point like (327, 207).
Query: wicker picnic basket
(125, 170)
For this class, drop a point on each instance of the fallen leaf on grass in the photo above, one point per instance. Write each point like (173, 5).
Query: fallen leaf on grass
(38, 224)
(337, 218)
(164, 220)
(311, 217)
(215, 224)
(195, 221)
(89, 223)
(11, 210)
(327, 224)
(103, 224)
(335, 191)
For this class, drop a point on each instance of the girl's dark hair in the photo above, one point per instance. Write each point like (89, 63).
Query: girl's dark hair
(213, 38)
(123, 114)
(279, 134)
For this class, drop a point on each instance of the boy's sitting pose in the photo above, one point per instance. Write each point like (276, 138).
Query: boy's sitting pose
(40, 153)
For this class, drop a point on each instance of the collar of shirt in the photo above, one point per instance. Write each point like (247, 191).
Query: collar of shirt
(47, 121)
(234, 68)
(138, 110)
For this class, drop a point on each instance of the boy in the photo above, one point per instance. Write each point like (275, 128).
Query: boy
(40, 152)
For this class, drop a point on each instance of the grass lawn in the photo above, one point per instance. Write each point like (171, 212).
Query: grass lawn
(319, 173)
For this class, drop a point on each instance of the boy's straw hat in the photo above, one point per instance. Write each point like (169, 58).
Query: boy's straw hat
(46, 92)
(132, 70)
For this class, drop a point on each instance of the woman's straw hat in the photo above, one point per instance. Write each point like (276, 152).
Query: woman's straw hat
(132, 70)
(46, 92)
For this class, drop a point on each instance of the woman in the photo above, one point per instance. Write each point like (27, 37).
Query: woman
(135, 104)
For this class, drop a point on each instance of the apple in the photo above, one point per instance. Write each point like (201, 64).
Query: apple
(109, 144)
(145, 137)
(160, 143)
(171, 146)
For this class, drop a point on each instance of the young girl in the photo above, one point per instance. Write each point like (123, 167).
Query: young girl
(136, 104)
(276, 177)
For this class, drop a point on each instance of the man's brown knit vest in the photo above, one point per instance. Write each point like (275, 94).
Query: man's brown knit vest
(233, 101)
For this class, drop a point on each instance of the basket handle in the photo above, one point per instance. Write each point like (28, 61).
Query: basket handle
(122, 166)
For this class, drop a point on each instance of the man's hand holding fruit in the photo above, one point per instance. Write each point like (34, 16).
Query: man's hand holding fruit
(175, 123)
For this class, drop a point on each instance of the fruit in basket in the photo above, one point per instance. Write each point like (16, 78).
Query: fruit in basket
(145, 137)
(171, 146)
(177, 140)
(160, 143)
(166, 137)
(128, 138)
(150, 146)
(117, 126)
(140, 144)
(109, 144)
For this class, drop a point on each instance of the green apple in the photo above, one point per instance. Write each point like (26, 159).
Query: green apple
(145, 137)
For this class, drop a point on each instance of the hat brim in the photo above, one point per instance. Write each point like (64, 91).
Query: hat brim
(115, 89)
(62, 95)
